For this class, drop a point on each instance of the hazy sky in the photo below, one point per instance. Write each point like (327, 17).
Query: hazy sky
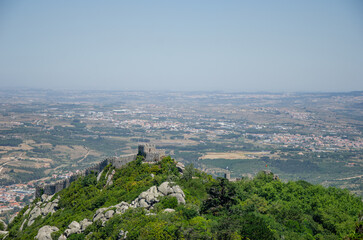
(182, 45)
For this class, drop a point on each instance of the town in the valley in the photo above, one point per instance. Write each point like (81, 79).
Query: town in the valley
(47, 136)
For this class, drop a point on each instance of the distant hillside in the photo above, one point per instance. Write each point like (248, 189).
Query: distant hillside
(157, 201)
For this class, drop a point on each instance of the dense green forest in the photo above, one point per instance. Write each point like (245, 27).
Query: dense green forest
(259, 208)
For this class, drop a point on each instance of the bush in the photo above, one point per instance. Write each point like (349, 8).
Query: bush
(169, 202)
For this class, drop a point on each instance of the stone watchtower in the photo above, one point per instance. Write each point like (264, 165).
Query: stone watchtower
(150, 153)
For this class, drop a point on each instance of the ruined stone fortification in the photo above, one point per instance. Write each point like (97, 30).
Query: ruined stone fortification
(150, 153)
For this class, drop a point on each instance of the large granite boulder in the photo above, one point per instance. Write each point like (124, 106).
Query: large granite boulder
(165, 188)
(84, 224)
(74, 227)
(45, 232)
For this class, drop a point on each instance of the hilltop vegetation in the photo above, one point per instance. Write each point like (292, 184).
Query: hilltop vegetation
(259, 208)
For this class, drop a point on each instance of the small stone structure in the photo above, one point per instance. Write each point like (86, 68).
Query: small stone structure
(150, 153)
(227, 175)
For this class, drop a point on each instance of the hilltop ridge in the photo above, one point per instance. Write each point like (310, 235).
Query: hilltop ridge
(156, 200)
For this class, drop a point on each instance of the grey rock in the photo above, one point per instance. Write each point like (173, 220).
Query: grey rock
(101, 210)
(109, 178)
(121, 204)
(45, 232)
(22, 225)
(143, 194)
(84, 224)
(100, 215)
(36, 212)
(12, 219)
(169, 210)
(74, 224)
(178, 197)
(62, 237)
(109, 214)
(177, 189)
(150, 199)
(150, 214)
(74, 227)
(44, 197)
(165, 189)
(154, 190)
(122, 209)
(40, 209)
(49, 208)
(143, 203)
(99, 175)
(49, 198)
(27, 212)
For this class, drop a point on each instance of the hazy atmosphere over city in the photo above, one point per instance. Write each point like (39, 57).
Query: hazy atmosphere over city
(238, 46)
(158, 120)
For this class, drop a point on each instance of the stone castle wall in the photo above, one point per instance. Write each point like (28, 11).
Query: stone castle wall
(53, 188)
(148, 151)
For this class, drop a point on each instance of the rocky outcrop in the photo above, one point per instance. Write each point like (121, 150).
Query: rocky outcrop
(109, 177)
(45, 232)
(145, 200)
(104, 214)
(148, 198)
(41, 208)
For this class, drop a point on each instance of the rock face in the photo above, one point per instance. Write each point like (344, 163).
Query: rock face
(148, 198)
(109, 178)
(45, 232)
(41, 208)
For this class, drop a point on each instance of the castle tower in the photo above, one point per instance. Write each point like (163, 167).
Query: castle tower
(150, 153)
